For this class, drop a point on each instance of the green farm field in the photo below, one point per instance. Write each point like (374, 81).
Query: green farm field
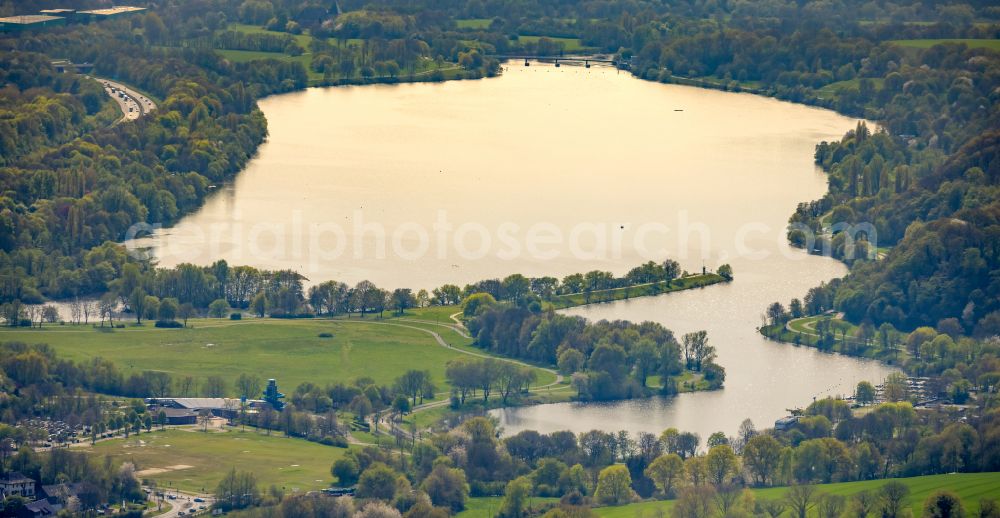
(970, 487)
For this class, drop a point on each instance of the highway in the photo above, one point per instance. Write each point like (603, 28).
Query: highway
(132, 103)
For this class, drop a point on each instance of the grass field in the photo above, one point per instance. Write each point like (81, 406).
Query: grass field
(289, 463)
(568, 44)
(302, 39)
(473, 23)
(488, 507)
(971, 43)
(289, 350)
(834, 89)
(971, 487)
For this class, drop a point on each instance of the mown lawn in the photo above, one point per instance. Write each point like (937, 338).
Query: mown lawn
(971, 487)
(289, 350)
(302, 39)
(200, 460)
(568, 44)
(993, 44)
(473, 23)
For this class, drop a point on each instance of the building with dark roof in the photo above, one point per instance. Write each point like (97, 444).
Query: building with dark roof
(38, 509)
(29, 21)
(14, 483)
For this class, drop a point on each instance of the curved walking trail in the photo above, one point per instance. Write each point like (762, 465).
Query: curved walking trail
(459, 329)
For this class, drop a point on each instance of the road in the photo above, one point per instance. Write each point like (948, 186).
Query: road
(132, 103)
(182, 502)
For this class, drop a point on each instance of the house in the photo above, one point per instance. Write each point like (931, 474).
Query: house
(14, 483)
(38, 509)
(785, 423)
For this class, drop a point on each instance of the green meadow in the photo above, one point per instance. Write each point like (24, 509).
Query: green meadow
(992, 44)
(568, 44)
(290, 350)
(191, 460)
(970, 487)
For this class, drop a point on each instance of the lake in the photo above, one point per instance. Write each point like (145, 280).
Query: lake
(549, 171)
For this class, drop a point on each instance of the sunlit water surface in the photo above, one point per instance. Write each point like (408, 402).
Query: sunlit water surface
(549, 171)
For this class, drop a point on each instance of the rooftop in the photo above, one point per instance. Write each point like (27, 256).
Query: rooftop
(198, 403)
(118, 9)
(28, 19)
(14, 477)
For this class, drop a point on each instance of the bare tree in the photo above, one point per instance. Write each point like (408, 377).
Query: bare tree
(801, 499)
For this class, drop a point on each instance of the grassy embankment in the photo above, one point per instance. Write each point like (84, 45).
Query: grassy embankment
(641, 290)
(970, 487)
(802, 331)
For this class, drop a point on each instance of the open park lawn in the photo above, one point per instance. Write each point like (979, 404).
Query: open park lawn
(289, 350)
(190, 460)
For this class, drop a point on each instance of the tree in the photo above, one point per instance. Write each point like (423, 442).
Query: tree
(801, 498)
(864, 394)
(515, 500)
(446, 487)
(153, 27)
(152, 307)
(378, 481)
(761, 456)
(218, 308)
(614, 485)
(943, 504)
(665, 471)
(412, 383)
(346, 470)
(249, 386)
(168, 310)
(722, 463)
(726, 272)
(772, 508)
(862, 504)
(237, 490)
(776, 314)
(830, 506)
(259, 304)
(895, 388)
(694, 502)
(137, 302)
(893, 494)
(571, 361)
(215, 386)
(186, 311)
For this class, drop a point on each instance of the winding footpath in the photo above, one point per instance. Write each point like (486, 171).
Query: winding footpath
(459, 329)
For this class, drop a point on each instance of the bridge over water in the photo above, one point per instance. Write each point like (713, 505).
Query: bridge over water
(587, 61)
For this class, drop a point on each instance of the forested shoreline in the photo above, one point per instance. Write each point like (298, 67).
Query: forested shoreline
(913, 208)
